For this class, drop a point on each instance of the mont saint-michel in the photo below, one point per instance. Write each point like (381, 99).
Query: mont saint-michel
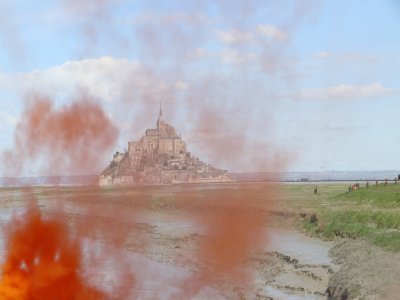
(159, 157)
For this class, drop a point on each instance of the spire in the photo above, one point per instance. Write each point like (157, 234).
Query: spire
(160, 115)
(159, 120)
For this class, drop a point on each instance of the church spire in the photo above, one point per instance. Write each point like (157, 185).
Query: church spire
(159, 120)
(160, 115)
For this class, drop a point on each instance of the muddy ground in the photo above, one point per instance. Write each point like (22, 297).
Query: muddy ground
(366, 271)
(357, 270)
(288, 266)
(275, 275)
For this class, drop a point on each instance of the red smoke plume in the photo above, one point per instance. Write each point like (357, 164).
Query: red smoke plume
(72, 139)
(43, 261)
(234, 220)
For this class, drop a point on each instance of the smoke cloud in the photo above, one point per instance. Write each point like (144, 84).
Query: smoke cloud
(69, 140)
(46, 260)
(217, 107)
(43, 261)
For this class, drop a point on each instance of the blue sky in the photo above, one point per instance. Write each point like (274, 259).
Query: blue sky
(315, 83)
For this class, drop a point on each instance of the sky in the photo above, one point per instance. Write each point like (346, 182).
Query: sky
(250, 85)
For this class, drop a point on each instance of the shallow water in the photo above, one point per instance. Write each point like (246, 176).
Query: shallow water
(153, 280)
(280, 295)
(305, 249)
(163, 280)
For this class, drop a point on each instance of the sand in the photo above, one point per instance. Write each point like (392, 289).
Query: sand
(163, 241)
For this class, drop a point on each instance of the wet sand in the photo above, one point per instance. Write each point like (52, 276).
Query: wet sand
(165, 234)
(161, 250)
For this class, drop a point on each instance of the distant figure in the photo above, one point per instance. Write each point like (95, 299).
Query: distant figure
(350, 188)
(315, 190)
(395, 180)
(376, 183)
(367, 184)
(385, 182)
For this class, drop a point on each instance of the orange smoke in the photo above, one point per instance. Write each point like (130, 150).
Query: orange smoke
(43, 261)
(74, 138)
(234, 231)
(233, 219)
(235, 225)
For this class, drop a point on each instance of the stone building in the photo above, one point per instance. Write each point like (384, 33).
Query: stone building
(159, 157)
(162, 140)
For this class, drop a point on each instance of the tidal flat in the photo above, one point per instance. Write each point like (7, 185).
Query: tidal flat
(220, 241)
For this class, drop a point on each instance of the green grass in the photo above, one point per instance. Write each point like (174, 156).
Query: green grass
(379, 196)
(372, 213)
(388, 240)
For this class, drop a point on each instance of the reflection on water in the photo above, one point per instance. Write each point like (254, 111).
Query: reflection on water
(279, 295)
(296, 245)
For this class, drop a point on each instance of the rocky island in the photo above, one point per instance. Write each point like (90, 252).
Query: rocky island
(159, 157)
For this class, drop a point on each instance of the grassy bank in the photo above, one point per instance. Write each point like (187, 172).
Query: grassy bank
(373, 213)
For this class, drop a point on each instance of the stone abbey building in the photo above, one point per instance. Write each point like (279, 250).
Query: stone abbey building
(159, 157)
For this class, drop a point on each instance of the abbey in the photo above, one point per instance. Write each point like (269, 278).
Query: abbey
(159, 157)
(162, 140)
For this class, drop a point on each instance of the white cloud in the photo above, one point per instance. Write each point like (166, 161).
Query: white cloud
(8, 119)
(234, 57)
(272, 32)
(169, 18)
(236, 37)
(105, 78)
(252, 36)
(344, 91)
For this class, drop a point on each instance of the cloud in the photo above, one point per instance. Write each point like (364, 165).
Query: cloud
(8, 119)
(105, 78)
(236, 37)
(265, 46)
(272, 32)
(345, 91)
(235, 57)
(198, 53)
(171, 17)
(256, 35)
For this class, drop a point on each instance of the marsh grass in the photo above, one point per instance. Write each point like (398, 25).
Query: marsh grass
(372, 213)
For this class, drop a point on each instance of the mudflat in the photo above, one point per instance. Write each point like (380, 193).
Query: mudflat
(172, 238)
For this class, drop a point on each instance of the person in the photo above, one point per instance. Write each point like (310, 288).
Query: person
(376, 183)
(385, 182)
(315, 190)
(367, 184)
